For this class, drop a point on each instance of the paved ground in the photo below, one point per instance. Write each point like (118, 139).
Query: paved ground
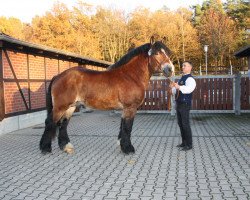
(217, 168)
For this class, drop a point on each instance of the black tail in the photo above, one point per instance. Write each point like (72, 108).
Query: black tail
(50, 126)
(49, 104)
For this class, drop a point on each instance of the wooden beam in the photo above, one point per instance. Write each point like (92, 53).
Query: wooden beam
(15, 77)
(2, 105)
(28, 74)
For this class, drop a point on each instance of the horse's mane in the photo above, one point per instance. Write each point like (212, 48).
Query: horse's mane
(132, 53)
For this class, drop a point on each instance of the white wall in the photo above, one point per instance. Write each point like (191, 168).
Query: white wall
(11, 124)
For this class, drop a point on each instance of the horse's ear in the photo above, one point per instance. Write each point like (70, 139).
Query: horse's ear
(164, 40)
(152, 40)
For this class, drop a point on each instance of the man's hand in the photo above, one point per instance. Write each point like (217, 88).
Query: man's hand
(176, 86)
(171, 85)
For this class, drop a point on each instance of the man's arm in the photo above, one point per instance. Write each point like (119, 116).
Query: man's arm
(189, 86)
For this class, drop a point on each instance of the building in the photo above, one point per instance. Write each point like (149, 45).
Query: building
(25, 72)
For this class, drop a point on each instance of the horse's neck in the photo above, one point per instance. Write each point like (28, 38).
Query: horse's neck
(138, 69)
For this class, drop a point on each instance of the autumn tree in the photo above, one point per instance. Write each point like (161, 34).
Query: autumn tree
(54, 28)
(139, 26)
(218, 26)
(86, 41)
(111, 28)
(188, 35)
(219, 32)
(176, 26)
(107, 33)
(12, 26)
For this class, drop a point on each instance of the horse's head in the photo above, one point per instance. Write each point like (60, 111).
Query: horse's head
(159, 58)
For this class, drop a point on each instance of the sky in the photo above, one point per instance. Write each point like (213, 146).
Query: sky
(25, 10)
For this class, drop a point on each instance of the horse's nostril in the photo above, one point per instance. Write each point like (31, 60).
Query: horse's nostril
(166, 70)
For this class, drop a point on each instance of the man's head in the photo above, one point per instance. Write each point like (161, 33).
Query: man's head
(187, 67)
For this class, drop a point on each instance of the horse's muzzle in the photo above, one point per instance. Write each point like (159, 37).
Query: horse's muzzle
(167, 70)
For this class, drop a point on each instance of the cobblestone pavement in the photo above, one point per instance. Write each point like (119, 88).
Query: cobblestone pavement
(217, 168)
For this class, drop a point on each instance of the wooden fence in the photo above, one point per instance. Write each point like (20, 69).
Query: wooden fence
(245, 93)
(155, 95)
(212, 93)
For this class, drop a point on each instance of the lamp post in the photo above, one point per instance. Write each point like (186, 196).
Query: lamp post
(206, 49)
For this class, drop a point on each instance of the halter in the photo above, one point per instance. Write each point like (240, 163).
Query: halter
(169, 80)
(158, 63)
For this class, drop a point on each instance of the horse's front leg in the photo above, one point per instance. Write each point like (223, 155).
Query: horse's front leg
(126, 129)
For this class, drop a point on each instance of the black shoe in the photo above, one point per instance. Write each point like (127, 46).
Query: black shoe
(181, 145)
(186, 148)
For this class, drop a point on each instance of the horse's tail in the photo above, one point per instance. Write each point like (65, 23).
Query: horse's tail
(49, 104)
(50, 126)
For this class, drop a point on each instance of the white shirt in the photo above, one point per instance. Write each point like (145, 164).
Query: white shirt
(188, 88)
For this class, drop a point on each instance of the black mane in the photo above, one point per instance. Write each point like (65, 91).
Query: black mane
(134, 52)
(157, 46)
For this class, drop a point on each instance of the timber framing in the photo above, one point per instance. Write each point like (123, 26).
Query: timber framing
(2, 105)
(9, 44)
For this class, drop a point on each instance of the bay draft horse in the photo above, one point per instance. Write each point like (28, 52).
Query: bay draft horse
(122, 86)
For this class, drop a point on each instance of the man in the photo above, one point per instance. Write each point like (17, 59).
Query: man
(183, 95)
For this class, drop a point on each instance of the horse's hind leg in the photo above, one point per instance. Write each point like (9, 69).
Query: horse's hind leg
(120, 133)
(63, 138)
(48, 135)
(126, 129)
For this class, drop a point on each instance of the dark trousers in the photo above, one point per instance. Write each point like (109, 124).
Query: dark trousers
(183, 111)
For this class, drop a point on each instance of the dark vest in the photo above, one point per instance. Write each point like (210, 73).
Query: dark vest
(184, 98)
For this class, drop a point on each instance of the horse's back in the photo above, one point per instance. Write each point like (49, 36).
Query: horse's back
(93, 88)
(97, 89)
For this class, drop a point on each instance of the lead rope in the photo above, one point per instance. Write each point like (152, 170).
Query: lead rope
(170, 93)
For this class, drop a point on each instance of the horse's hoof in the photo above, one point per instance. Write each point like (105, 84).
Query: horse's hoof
(127, 149)
(119, 142)
(44, 152)
(45, 148)
(69, 148)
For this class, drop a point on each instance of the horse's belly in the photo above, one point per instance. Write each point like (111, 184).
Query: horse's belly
(102, 104)
(101, 95)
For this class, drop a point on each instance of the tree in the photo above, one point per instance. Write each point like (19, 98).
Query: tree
(218, 28)
(54, 29)
(107, 33)
(87, 42)
(112, 31)
(12, 26)
(239, 11)
(219, 32)
(176, 26)
(197, 15)
(139, 26)
(214, 4)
